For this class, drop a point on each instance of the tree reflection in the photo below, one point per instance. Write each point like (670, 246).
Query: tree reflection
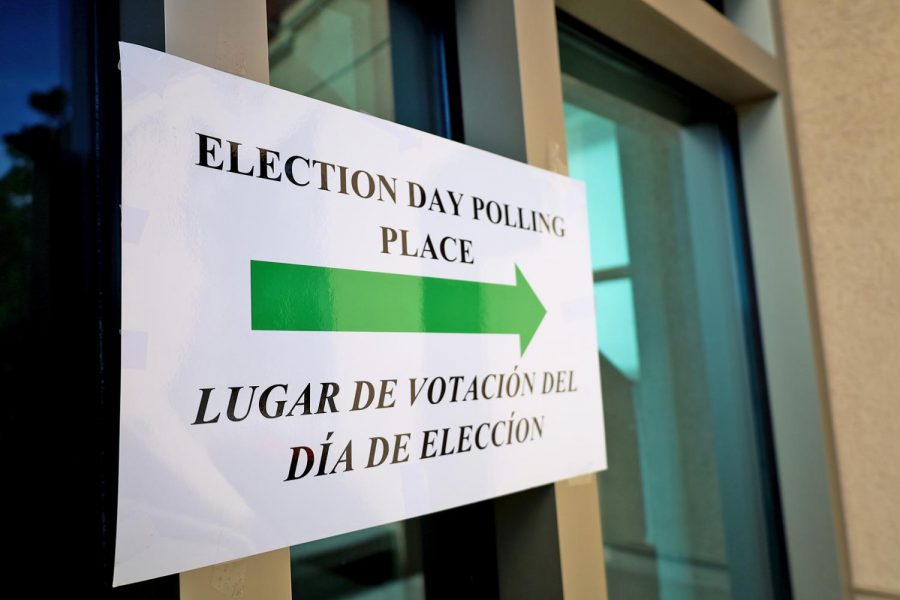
(31, 151)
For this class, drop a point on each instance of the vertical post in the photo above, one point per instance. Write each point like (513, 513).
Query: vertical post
(512, 104)
(802, 423)
(265, 575)
(229, 35)
(800, 416)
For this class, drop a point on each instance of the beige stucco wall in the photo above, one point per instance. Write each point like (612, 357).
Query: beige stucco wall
(844, 67)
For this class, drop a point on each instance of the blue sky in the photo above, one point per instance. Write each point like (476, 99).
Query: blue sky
(30, 59)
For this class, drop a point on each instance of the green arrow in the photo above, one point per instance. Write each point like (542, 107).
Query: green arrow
(288, 297)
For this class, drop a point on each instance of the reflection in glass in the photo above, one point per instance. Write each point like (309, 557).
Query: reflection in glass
(663, 519)
(32, 121)
(339, 51)
(376, 563)
(594, 155)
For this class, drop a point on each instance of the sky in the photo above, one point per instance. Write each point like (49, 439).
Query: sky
(30, 60)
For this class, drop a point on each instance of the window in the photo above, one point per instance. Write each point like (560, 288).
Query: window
(337, 51)
(688, 501)
(388, 59)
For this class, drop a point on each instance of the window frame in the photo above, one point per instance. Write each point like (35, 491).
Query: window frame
(508, 52)
(695, 42)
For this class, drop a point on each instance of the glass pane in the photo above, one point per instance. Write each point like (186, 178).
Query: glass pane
(616, 329)
(375, 563)
(338, 51)
(594, 155)
(684, 501)
(33, 109)
(671, 542)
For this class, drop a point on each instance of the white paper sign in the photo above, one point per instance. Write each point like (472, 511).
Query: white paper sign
(330, 321)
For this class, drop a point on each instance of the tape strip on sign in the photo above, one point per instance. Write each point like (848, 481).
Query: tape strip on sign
(134, 349)
(352, 322)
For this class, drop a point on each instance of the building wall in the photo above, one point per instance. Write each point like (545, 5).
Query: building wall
(843, 61)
